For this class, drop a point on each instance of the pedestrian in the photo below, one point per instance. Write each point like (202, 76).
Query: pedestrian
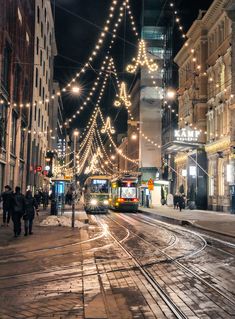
(181, 202)
(37, 196)
(6, 198)
(18, 209)
(30, 206)
(176, 201)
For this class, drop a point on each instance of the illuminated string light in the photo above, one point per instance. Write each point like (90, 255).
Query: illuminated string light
(142, 60)
(123, 97)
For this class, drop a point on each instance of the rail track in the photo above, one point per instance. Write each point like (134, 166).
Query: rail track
(229, 299)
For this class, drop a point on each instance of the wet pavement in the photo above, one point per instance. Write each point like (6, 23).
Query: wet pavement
(118, 266)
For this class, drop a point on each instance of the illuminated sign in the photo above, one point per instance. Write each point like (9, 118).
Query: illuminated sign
(186, 135)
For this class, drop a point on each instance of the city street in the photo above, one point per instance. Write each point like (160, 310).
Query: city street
(121, 265)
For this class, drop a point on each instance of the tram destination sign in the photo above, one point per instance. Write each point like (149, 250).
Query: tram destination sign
(186, 135)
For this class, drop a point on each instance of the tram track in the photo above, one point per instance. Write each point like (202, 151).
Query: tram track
(186, 269)
(150, 279)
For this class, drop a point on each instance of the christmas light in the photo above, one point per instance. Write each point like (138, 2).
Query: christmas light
(142, 60)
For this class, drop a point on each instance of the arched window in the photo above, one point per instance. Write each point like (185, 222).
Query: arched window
(221, 177)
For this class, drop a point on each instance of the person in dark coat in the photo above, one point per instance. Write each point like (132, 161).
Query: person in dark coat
(28, 217)
(181, 202)
(6, 198)
(18, 209)
(38, 197)
(176, 201)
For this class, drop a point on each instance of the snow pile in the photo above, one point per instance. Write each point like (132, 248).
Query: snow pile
(60, 221)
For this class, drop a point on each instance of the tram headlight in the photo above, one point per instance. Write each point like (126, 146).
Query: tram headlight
(106, 202)
(93, 202)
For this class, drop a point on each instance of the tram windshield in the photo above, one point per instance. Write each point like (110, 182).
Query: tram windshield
(99, 186)
(128, 192)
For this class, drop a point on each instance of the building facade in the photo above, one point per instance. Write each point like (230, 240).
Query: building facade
(16, 61)
(205, 167)
(151, 92)
(41, 131)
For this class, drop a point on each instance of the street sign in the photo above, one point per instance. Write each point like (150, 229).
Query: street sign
(151, 184)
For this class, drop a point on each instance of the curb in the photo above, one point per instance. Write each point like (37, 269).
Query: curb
(182, 222)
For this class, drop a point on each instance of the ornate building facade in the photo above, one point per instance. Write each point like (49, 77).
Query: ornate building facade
(206, 106)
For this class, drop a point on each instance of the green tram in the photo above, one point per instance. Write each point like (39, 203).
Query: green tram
(96, 194)
(124, 194)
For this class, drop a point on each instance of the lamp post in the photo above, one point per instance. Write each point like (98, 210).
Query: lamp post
(75, 136)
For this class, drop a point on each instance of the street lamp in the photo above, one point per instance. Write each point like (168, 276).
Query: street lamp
(76, 89)
(134, 136)
(75, 135)
(171, 94)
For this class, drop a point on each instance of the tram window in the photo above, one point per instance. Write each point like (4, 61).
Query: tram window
(99, 186)
(128, 192)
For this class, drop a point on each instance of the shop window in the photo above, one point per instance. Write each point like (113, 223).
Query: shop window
(221, 177)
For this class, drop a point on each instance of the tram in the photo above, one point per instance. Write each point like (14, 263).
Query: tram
(96, 194)
(124, 193)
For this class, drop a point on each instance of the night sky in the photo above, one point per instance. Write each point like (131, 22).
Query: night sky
(78, 24)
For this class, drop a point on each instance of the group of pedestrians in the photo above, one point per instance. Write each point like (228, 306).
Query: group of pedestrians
(17, 206)
(42, 197)
(179, 201)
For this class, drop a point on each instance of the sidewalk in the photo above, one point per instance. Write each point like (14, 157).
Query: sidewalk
(217, 222)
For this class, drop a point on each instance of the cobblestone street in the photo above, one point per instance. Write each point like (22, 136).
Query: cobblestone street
(114, 267)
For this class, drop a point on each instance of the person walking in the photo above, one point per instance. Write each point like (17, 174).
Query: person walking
(38, 197)
(18, 209)
(6, 198)
(181, 202)
(30, 206)
(176, 201)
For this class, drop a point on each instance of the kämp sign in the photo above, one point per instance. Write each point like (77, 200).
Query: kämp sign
(186, 135)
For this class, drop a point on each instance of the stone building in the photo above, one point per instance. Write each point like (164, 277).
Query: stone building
(16, 61)
(206, 107)
(41, 132)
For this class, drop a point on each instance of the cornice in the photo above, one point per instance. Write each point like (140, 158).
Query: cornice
(218, 146)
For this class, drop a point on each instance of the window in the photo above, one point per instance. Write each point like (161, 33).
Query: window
(42, 123)
(39, 117)
(37, 45)
(36, 77)
(35, 111)
(38, 14)
(3, 124)
(44, 40)
(41, 57)
(158, 52)
(13, 133)
(221, 177)
(40, 87)
(153, 33)
(19, 15)
(46, 76)
(43, 68)
(6, 67)
(41, 29)
(16, 88)
(22, 141)
(45, 14)
(43, 94)
(27, 38)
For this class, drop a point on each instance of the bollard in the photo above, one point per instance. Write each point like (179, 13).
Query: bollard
(73, 214)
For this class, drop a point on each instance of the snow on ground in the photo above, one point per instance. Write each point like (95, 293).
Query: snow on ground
(60, 221)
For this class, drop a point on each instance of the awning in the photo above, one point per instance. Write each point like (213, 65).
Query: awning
(177, 146)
